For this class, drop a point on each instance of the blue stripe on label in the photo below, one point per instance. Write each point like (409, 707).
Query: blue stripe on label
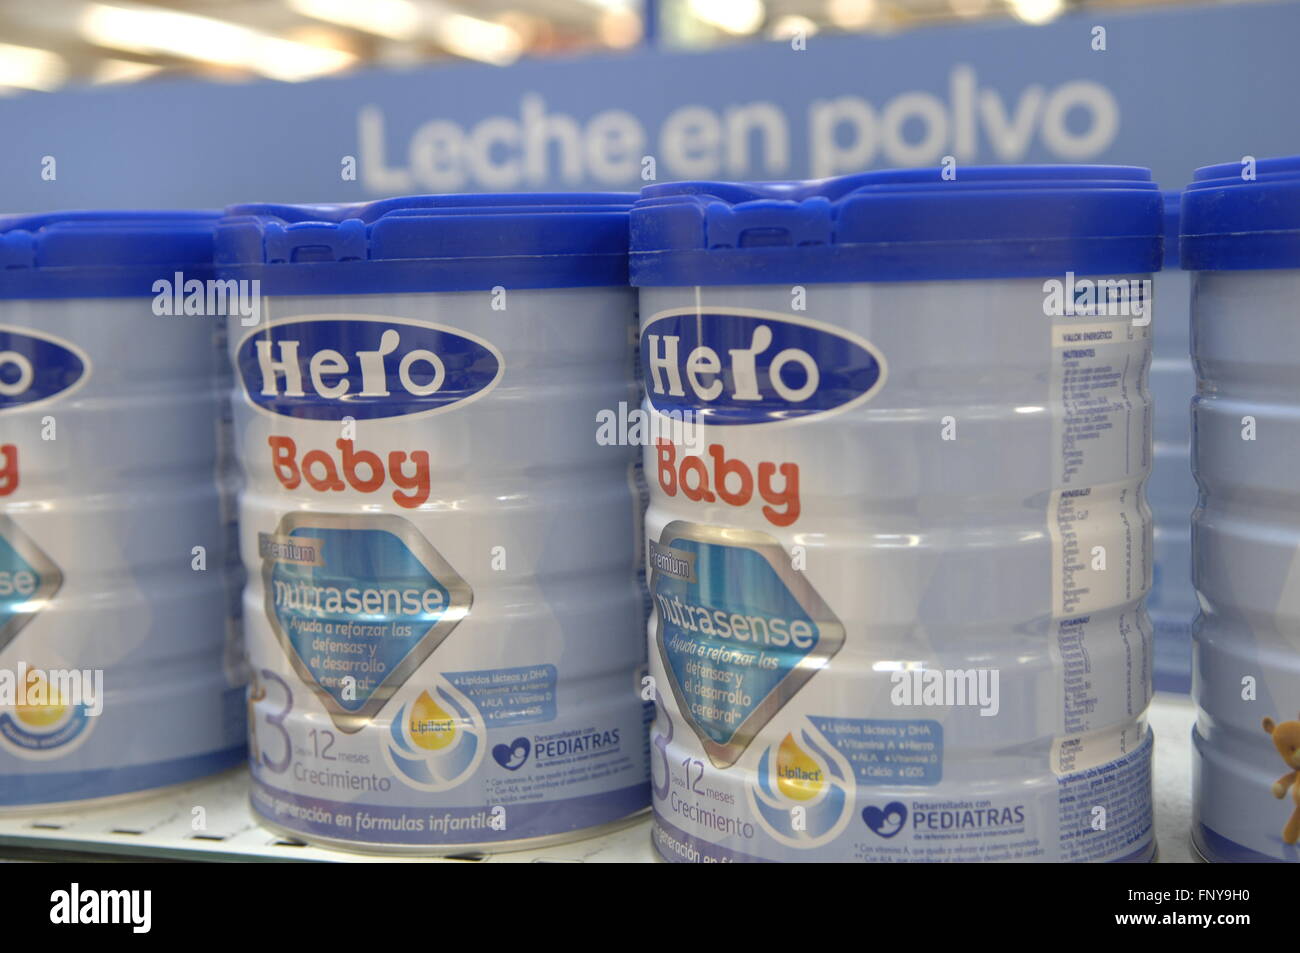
(1216, 848)
(432, 825)
(678, 847)
(58, 787)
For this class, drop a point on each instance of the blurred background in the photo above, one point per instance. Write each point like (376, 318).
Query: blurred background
(49, 44)
(181, 103)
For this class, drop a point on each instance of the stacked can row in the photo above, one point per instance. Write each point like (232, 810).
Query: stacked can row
(893, 431)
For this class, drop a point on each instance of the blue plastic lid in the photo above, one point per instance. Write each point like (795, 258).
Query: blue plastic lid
(1231, 223)
(429, 243)
(102, 254)
(900, 225)
(1173, 202)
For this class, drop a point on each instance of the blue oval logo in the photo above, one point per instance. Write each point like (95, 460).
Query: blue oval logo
(746, 367)
(324, 368)
(35, 368)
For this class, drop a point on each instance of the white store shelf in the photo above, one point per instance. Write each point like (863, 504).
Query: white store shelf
(160, 826)
(1172, 717)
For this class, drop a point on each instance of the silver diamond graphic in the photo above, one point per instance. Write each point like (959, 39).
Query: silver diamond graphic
(461, 597)
(830, 633)
(51, 579)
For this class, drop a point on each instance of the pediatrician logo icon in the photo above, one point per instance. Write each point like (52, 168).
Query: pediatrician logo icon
(885, 821)
(512, 756)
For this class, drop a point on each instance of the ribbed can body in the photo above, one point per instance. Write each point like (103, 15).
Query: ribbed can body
(116, 547)
(1246, 565)
(444, 618)
(897, 573)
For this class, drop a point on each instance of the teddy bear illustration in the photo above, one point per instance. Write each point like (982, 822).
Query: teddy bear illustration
(1286, 738)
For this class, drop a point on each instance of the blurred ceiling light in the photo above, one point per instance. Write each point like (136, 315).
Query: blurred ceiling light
(394, 19)
(407, 20)
(476, 39)
(122, 71)
(851, 14)
(790, 26)
(529, 26)
(1037, 11)
(620, 28)
(153, 30)
(969, 8)
(740, 17)
(26, 67)
(326, 37)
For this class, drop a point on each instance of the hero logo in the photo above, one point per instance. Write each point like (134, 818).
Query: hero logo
(744, 367)
(35, 368)
(741, 367)
(326, 367)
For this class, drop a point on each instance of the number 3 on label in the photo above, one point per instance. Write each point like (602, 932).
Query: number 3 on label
(276, 721)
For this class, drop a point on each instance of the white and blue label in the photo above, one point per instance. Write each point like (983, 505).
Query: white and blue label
(799, 802)
(862, 556)
(114, 560)
(429, 518)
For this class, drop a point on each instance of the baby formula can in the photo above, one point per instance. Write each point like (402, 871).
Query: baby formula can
(120, 663)
(1241, 241)
(897, 544)
(1171, 490)
(445, 625)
